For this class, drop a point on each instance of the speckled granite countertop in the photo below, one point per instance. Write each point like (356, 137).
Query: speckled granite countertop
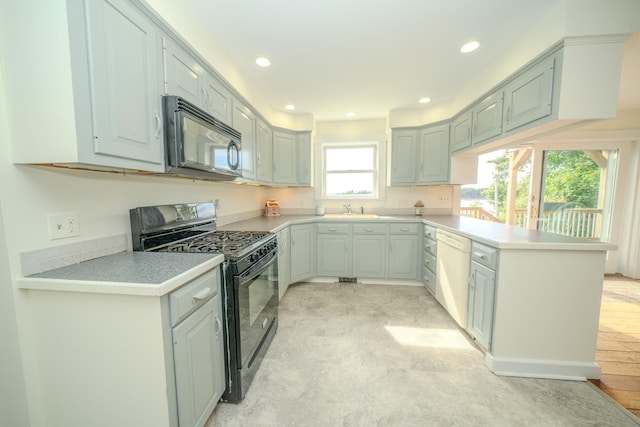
(130, 273)
(494, 234)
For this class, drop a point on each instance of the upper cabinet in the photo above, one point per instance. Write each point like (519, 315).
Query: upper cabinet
(403, 157)
(487, 118)
(529, 96)
(291, 157)
(264, 143)
(188, 78)
(104, 109)
(433, 155)
(304, 158)
(244, 121)
(284, 158)
(461, 132)
(420, 156)
(125, 70)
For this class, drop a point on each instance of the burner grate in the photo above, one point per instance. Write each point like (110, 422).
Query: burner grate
(226, 242)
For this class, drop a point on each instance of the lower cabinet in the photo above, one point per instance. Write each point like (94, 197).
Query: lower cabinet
(334, 255)
(403, 251)
(284, 261)
(429, 261)
(369, 258)
(303, 254)
(129, 359)
(482, 284)
(199, 363)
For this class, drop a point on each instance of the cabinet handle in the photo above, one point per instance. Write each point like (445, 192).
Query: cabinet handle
(200, 295)
(369, 230)
(475, 129)
(507, 116)
(218, 325)
(333, 229)
(404, 230)
(472, 280)
(158, 124)
(481, 256)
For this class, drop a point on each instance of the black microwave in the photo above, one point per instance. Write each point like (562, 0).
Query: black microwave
(198, 145)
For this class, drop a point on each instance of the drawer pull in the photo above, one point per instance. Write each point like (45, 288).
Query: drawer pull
(404, 230)
(481, 256)
(200, 295)
(333, 229)
(369, 230)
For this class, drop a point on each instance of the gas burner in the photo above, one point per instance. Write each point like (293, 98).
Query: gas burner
(231, 243)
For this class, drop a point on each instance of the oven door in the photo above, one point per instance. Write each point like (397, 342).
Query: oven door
(257, 304)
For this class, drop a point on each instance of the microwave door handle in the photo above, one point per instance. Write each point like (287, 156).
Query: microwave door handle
(233, 159)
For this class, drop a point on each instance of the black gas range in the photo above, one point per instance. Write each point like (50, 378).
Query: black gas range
(250, 278)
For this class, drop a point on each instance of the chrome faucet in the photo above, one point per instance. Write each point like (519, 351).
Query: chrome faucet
(348, 208)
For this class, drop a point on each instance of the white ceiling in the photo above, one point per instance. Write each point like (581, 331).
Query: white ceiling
(330, 57)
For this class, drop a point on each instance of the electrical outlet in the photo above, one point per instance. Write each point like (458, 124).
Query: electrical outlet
(62, 225)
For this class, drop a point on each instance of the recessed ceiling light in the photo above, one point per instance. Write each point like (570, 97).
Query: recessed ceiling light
(424, 100)
(351, 114)
(290, 107)
(469, 47)
(263, 62)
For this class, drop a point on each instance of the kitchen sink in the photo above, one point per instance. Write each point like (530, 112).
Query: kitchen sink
(350, 216)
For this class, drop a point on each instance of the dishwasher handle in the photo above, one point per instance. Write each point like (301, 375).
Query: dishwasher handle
(458, 242)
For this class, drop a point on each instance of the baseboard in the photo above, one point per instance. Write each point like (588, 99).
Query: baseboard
(536, 368)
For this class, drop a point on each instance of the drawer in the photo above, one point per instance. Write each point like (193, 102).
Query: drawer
(430, 261)
(333, 228)
(429, 232)
(369, 228)
(485, 255)
(194, 294)
(430, 246)
(403, 228)
(429, 279)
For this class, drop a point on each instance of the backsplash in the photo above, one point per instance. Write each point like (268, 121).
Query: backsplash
(41, 260)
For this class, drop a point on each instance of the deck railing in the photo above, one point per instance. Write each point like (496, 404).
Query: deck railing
(582, 223)
(478, 213)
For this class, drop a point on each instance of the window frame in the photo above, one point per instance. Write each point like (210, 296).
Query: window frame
(326, 173)
(378, 142)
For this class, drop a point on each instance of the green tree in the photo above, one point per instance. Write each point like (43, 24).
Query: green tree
(571, 177)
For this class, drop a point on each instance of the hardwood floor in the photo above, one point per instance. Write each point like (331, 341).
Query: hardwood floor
(618, 348)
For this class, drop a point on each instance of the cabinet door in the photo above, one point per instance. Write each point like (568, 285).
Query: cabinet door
(304, 158)
(481, 304)
(302, 252)
(487, 118)
(433, 154)
(403, 257)
(199, 363)
(461, 132)
(245, 122)
(403, 157)
(284, 261)
(184, 75)
(284, 158)
(126, 69)
(263, 159)
(334, 255)
(218, 99)
(369, 256)
(528, 97)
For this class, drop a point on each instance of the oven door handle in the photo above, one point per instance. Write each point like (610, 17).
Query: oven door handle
(257, 269)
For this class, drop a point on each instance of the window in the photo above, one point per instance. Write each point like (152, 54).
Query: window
(349, 168)
(350, 171)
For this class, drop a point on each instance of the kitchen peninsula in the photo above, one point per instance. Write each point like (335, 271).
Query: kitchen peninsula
(545, 306)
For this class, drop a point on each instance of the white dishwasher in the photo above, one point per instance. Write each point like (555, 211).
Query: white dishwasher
(452, 274)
